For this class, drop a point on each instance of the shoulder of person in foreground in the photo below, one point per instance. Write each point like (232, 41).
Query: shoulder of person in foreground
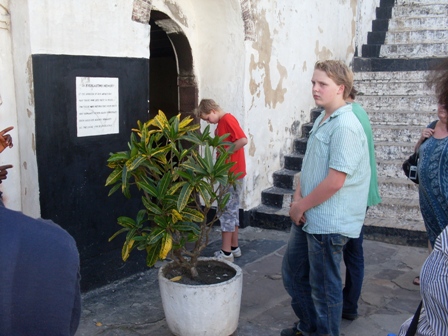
(39, 282)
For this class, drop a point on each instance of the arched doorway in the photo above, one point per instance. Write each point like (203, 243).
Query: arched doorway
(173, 87)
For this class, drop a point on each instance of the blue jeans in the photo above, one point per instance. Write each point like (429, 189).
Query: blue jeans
(354, 275)
(311, 276)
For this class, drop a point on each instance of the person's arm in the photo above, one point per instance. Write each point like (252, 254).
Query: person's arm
(5, 139)
(327, 188)
(238, 144)
(4, 172)
(293, 212)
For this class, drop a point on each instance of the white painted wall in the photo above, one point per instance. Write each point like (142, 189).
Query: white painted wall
(265, 83)
(7, 111)
(87, 27)
(78, 27)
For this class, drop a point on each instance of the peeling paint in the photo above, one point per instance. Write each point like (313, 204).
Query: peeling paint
(25, 165)
(252, 148)
(263, 44)
(33, 143)
(29, 113)
(323, 54)
(304, 67)
(169, 26)
(30, 81)
(177, 12)
(351, 48)
(246, 12)
(295, 128)
(5, 19)
(270, 125)
(141, 11)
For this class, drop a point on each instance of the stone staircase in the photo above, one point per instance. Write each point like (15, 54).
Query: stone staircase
(408, 37)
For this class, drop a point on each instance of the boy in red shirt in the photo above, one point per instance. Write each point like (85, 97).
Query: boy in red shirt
(211, 112)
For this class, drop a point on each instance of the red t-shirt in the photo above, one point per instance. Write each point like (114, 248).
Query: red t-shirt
(229, 124)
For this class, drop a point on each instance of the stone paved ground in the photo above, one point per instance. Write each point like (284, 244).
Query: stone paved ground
(133, 306)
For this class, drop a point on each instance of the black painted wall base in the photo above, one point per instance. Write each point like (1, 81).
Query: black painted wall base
(395, 64)
(73, 170)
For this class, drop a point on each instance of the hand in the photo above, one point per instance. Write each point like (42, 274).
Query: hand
(297, 215)
(4, 172)
(427, 132)
(5, 139)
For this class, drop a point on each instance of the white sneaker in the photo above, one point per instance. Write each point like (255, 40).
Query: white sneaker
(237, 252)
(220, 255)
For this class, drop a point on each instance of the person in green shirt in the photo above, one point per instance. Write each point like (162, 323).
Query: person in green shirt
(353, 252)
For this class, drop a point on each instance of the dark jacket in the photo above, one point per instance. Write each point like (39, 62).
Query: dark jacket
(39, 277)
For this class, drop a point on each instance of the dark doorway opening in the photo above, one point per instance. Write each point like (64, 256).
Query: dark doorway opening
(173, 87)
(163, 90)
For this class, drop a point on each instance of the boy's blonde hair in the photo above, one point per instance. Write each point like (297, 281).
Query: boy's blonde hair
(206, 106)
(338, 72)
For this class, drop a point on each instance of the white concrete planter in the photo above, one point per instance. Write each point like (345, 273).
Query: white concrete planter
(197, 310)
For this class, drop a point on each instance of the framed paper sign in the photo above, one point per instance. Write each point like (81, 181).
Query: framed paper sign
(97, 109)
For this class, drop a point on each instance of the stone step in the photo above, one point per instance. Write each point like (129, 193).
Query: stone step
(293, 161)
(413, 3)
(412, 104)
(416, 36)
(393, 150)
(386, 229)
(397, 77)
(299, 145)
(396, 133)
(393, 88)
(285, 178)
(391, 168)
(375, 63)
(384, 12)
(277, 197)
(397, 187)
(418, 23)
(306, 128)
(269, 217)
(397, 118)
(424, 10)
(399, 208)
(418, 50)
(391, 230)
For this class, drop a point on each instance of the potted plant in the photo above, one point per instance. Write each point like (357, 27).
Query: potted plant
(181, 174)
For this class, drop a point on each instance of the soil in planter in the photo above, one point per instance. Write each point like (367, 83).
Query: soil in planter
(210, 272)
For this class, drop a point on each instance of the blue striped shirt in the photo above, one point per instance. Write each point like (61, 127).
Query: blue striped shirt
(339, 143)
(434, 291)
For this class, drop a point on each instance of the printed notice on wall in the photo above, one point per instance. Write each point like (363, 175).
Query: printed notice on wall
(96, 106)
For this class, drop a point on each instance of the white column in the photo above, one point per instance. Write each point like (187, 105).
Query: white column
(8, 112)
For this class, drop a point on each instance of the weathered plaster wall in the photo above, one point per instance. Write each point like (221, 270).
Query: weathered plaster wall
(81, 27)
(259, 69)
(290, 38)
(263, 77)
(87, 27)
(7, 110)
(215, 31)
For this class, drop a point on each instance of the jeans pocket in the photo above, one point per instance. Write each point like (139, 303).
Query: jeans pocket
(338, 242)
(317, 237)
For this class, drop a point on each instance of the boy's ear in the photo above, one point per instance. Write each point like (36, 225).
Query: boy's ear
(341, 89)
